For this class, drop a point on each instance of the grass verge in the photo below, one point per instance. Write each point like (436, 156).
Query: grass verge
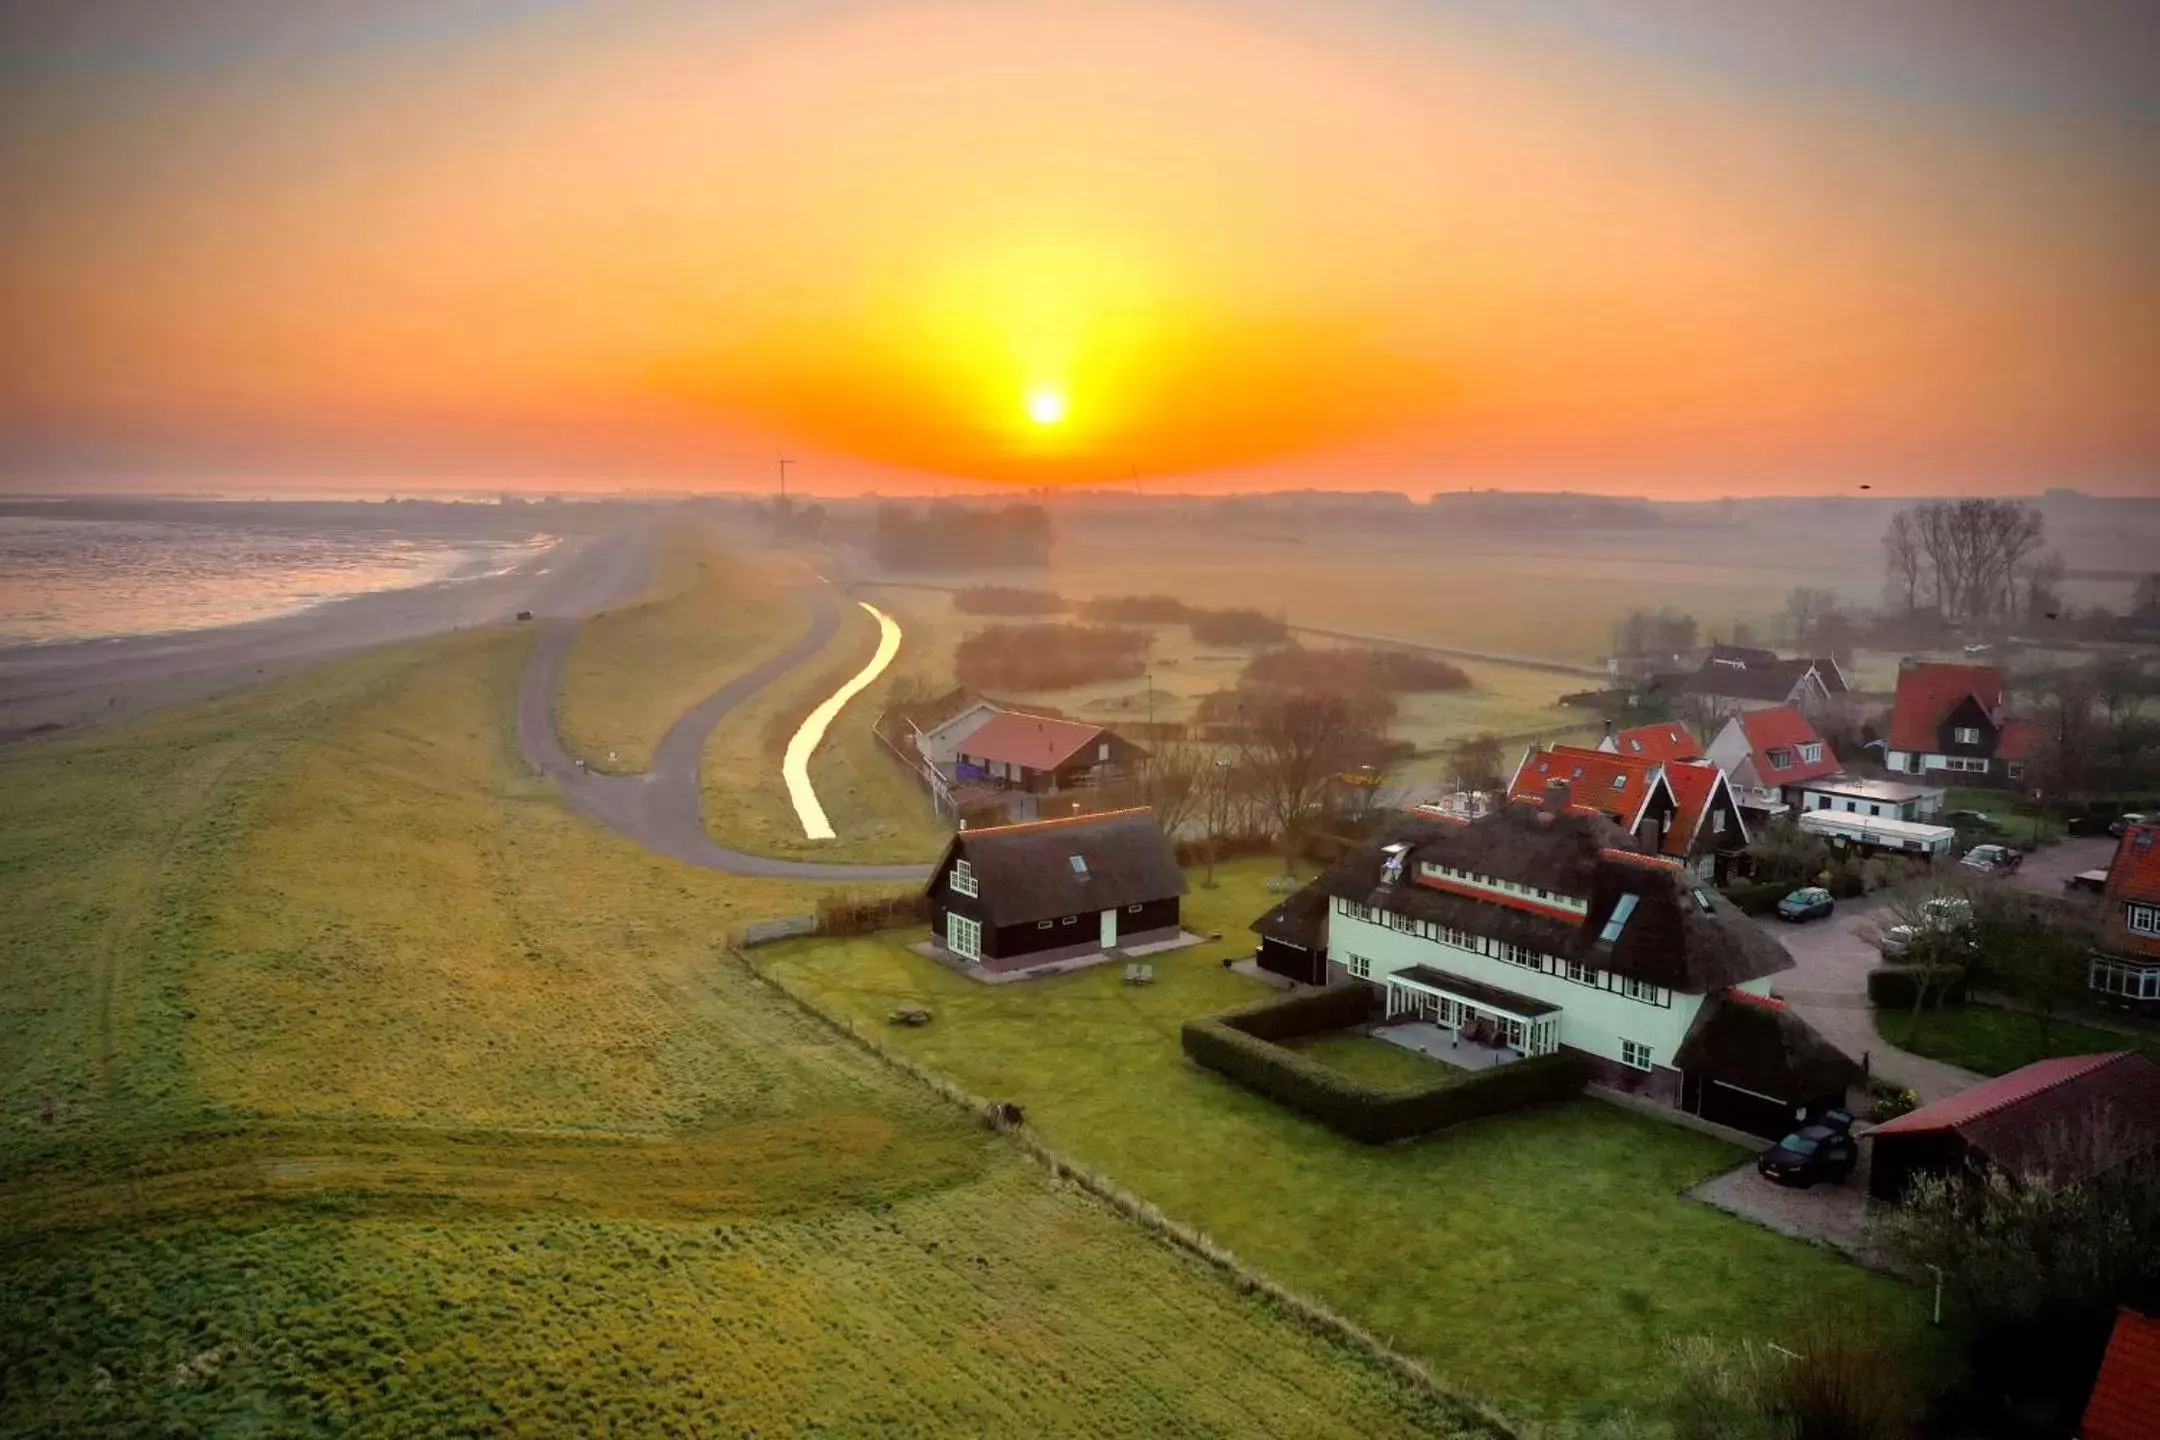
(1994, 1041)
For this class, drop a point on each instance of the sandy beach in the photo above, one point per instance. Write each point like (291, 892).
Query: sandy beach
(44, 688)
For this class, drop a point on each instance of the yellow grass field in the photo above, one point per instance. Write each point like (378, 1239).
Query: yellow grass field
(712, 612)
(351, 1084)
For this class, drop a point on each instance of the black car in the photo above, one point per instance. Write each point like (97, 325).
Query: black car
(1822, 1151)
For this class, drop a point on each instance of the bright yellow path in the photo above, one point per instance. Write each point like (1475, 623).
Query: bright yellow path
(795, 764)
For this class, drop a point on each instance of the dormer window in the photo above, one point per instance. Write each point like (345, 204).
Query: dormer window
(963, 878)
(1811, 752)
(1966, 734)
(1619, 782)
(1780, 759)
(2142, 919)
(1634, 744)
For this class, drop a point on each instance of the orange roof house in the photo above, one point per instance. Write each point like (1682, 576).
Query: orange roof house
(1666, 740)
(1768, 753)
(1949, 719)
(2126, 972)
(1681, 808)
(1037, 752)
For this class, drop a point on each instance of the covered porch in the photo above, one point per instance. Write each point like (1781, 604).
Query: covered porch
(1465, 1022)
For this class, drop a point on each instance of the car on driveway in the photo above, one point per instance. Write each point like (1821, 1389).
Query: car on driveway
(1823, 1151)
(1992, 859)
(1946, 915)
(1813, 903)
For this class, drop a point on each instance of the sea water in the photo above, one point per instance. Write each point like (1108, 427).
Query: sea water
(75, 579)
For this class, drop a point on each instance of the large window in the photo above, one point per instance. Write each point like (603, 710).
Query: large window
(1965, 763)
(1811, 752)
(2132, 982)
(1399, 921)
(1358, 965)
(1966, 735)
(1580, 973)
(963, 878)
(1640, 990)
(963, 936)
(2142, 919)
(1779, 758)
(1635, 1055)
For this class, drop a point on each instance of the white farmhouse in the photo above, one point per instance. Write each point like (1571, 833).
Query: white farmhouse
(1542, 927)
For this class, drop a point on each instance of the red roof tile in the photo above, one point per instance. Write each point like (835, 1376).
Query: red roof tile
(1663, 741)
(2125, 1403)
(1926, 694)
(1615, 785)
(2017, 1120)
(1695, 784)
(1783, 727)
(2135, 873)
(1034, 741)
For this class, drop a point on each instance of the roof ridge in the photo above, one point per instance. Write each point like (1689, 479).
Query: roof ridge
(1054, 821)
(1661, 862)
(2099, 1062)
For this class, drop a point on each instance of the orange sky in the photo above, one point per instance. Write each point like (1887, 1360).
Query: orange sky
(1661, 247)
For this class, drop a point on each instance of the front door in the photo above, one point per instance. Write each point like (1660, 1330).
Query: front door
(963, 936)
(1109, 929)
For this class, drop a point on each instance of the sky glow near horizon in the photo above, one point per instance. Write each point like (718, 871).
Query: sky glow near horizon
(1669, 247)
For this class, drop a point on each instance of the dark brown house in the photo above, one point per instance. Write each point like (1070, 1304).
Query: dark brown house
(1042, 755)
(1013, 896)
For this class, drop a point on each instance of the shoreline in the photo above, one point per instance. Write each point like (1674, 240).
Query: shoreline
(56, 686)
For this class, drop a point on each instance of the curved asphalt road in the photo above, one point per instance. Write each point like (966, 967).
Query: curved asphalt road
(662, 809)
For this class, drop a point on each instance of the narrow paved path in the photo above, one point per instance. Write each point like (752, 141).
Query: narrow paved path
(663, 809)
(795, 764)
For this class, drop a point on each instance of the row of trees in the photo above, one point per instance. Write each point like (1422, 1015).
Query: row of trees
(947, 536)
(2099, 728)
(1971, 561)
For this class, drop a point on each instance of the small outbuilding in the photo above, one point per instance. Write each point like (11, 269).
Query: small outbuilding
(1009, 897)
(2070, 1117)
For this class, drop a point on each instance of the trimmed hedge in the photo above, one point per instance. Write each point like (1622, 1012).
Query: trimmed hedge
(1240, 1046)
(1896, 987)
(1757, 897)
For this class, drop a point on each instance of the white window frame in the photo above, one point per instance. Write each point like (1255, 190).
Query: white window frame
(1811, 752)
(1965, 735)
(963, 880)
(1636, 1055)
(1965, 764)
(963, 935)
(1580, 973)
(1640, 990)
(2142, 919)
(1359, 966)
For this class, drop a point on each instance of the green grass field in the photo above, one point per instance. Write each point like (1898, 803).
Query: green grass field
(1541, 1260)
(878, 811)
(710, 614)
(349, 1084)
(1993, 1041)
(1373, 1061)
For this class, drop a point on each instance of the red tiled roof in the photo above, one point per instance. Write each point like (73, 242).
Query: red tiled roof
(1593, 774)
(2110, 1101)
(2018, 741)
(1695, 784)
(2135, 873)
(1030, 740)
(2125, 1403)
(1783, 727)
(1663, 741)
(1926, 694)
(1749, 997)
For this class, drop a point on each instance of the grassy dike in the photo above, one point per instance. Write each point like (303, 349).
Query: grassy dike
(879, 813)
(710, 613)
(351, 1085)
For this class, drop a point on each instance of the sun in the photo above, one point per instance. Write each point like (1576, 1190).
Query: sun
(1046, 407)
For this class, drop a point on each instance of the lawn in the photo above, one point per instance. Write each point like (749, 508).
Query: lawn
(1540, 1260)
(1375, 1062)
(710, 614)
(2012, 815)
(879, 812)
(349, 1084)
(1994, 1041)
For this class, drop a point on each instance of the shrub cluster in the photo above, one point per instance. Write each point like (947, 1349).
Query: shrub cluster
(1238, 627)
(1390, 672)
(1896, 987)
(844, 912)
(1756, 897)
(1136, 610)
(1049, 657)
(1241, 1046)
(1007, 600)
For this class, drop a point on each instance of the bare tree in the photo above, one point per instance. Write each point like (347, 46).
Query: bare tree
(1935, 919)
(1221, 789)
(1475, 762)
(1169, 780)
(1805, 609)
(1291, 750)
(2063, 704)
(1970, 552)
(1905, 561)
(2042, 582)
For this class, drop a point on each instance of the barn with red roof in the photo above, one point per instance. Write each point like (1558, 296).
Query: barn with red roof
(1949, 720)
(2069, 1117)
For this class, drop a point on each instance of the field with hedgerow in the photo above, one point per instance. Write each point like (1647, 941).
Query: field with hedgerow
(351, 1085)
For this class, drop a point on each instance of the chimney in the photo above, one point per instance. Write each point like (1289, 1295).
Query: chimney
(1559, 794)
(1608, 729)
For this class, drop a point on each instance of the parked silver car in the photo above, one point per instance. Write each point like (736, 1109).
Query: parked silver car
(1943, 915)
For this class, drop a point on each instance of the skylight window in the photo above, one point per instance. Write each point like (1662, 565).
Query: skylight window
(1702, 899)
(1619, 918)
(1079, 866)
(1619, 782)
